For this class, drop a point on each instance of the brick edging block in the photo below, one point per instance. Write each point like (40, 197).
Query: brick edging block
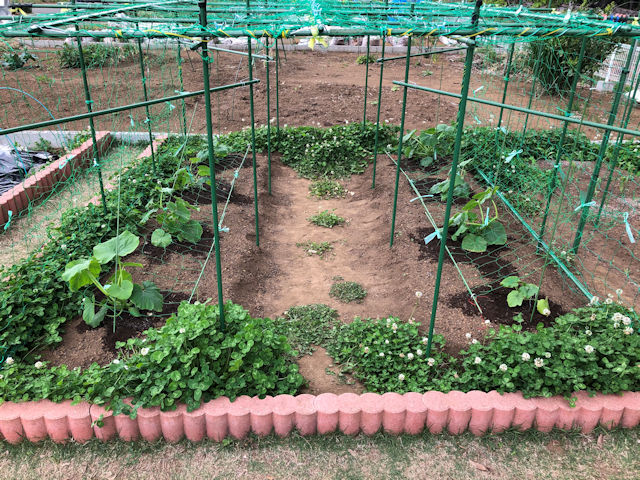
(392, 413)
(34, 187)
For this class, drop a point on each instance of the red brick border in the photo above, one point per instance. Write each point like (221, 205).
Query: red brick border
(411, 413)
(33, 188)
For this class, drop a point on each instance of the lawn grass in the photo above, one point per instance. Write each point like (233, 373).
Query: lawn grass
(511, 455)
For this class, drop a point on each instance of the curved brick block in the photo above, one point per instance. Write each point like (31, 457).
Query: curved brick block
(261, 415)
(79, 420)
(127, 428)
(349, 413)
(55, 420)
(612, 411)
(525, 411)
(459, 412)
(589, 410)
(195, 425)
(416, 413)
(33, 420)
(284, 410)
(216, 420)
(631, 415)
(100, 415)
(481, 411)
(327, 407)
(547, 412)
(372, 407)
(149, 423)
(306, 414)
(504, 409)
(10, 422)
(393, 415)
(239, 417)
(437, 410)
(172, 424)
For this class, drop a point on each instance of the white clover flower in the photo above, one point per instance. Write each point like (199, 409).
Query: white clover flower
(468, 336)
(144, 351)
(401, 355)
(410, 356)
(487, 322)
(182, 330)
(503, 367)
(628, 331)
(126, 368)
(418, 352)
(608, 301)
(386, 342)
(401, 377)
(38, 365)
(619, 292)
(103, 226)
(388, 321)
(418, 294)
(425, 340)
(9, 361)
(63, 246)
(594, 300)
(381, 354)
(474, 341)
(626, 321)
(394, 327)
(538, 362)
(431, 362)
(1, 376)
(116, 361)
(617, 317)
(477, 360)
(366, 349)
(593, 317)
(610, 295)
(588, 348)
(547, 354)
(588, 333)
(526, 357)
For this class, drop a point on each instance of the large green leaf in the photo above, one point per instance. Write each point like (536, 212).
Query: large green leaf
(160, 238)
(515, 298)
(120, 291)
(474, 243)
(147, 297)
(529, 290)
(122, 245)
(511, 282)
(80, 272)
(191, 231)
(494, 233)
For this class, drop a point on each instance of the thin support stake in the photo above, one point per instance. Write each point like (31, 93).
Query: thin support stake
(507, 72)
(366, 83)
(202, 4)
(94, 142)
(146, 108)
(402, 118)
(253, 141)
(181, 79)
(277, 94)
(603, 150)
(375, 144)
(268, 119)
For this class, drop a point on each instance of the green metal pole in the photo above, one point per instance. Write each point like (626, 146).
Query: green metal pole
(181, 78)
(277, 94)
(375, 144)
(565, 126)
(532, 93)
(402, 118)
(212, 165)
(507, 72)
(466, 80)
(268, 118)
(613, 162)
(92, 128)
(585, 207)
(253, 139)
(146, 108)
(366, 83)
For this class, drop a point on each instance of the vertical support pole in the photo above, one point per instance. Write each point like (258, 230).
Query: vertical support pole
(268, 66)
(585, 207)
(402, 118)
(181, 78)
(565, 126)
(532, 93)
(507, 72)
(376, 141)
(253, 136)
(613, 162)
(202, 4)
(146, 99)
(92, 128)
(444, 232)
(366, 83)
(277, 93)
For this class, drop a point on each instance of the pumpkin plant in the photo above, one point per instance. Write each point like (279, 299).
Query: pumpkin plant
(119, 291)
(476, 226)
(428, 144)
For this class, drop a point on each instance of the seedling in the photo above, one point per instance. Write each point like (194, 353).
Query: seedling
(348, 292)
(315, 248)
(326, 219)
(521, 291)
(327, 189)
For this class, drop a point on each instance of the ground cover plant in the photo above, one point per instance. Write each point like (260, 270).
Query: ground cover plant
(347, 292)
(326, 219)
(324, 189)
(307, 326)
(316, 248)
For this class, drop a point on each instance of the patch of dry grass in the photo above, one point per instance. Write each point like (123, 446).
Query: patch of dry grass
(512, 455)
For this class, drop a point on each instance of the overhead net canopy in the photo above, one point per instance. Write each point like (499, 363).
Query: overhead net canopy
(314, 17)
